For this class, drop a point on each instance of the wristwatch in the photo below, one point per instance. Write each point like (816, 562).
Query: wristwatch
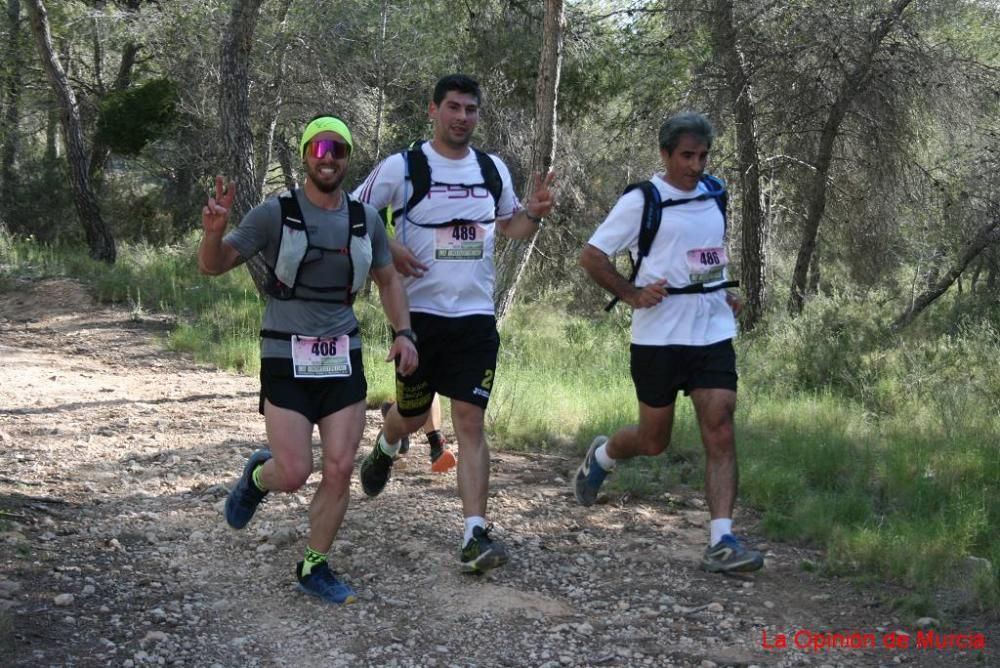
(408, 333)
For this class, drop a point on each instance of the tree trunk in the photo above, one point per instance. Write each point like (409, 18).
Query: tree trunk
(12, 110)
(518, 252)
(234, 115)
(380, 78)
(987, 235)
(849, 90)
(815, 269)
(284, 153)
(753, 263)
(276, 98)
(52, 133)
(99, 239)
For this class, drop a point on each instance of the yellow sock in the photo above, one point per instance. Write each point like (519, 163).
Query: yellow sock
(312, 559)
(256, 478)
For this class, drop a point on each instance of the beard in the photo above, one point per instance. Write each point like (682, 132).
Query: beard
(322, 183)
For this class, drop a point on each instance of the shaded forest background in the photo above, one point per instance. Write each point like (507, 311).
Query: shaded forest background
(860, 139)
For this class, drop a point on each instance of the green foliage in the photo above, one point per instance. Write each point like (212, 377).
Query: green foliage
(134, 117)
(43, 203)
(835, 344)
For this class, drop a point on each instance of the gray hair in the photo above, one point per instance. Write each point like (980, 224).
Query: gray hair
(689, 123)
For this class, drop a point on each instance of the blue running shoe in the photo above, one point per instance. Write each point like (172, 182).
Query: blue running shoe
(590, 476)
(245, 497)
(730, 556)
(324, 583)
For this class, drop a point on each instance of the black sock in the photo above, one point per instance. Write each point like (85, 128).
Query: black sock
(435, 439)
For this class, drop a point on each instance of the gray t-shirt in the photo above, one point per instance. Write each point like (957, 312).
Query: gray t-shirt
(260, 231)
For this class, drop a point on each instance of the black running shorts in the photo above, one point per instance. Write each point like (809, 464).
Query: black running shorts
(458, 357)
(660, 371)
(315, 398)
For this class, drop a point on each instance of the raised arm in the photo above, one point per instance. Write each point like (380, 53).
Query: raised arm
(214, 256)
(525, 222)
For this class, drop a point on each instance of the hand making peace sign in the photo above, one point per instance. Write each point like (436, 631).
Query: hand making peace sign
(542, 199)
(215, 214)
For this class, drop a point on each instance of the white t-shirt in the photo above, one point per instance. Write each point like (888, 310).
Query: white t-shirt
(461, 271)
(688, 248)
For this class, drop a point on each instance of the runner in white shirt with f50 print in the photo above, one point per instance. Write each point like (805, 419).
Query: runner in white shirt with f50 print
(679, 341)
(444, 247)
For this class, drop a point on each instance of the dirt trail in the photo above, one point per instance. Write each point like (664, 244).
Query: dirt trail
(117, 455)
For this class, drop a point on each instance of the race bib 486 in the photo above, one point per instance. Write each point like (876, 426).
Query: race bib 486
(707, 265)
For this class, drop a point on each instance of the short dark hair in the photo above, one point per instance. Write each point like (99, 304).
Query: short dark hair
(456, 82)
(688, 123)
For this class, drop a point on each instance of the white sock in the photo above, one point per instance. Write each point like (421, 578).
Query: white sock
(720, 528)
(391, 449)
(603, 460)
(470, 524)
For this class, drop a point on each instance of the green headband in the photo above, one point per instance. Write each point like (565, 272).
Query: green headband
(324, 124)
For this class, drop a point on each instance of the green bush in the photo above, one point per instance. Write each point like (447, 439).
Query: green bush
(131, 118)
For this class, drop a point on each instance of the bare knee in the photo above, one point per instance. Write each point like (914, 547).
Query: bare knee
(291, 474)
(719, 436)
(468, 420)
(338, 471)
(720, 442)
(651, 445)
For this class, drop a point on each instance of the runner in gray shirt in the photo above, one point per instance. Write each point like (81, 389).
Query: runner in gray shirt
(319, 246)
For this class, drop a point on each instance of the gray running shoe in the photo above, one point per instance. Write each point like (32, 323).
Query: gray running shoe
(376, 470)
(482, 553)
(590, 476)
(730, 556)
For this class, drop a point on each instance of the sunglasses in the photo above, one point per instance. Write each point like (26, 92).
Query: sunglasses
(320, 147)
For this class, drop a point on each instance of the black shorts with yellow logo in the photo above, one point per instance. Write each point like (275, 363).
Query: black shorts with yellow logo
(458, 358)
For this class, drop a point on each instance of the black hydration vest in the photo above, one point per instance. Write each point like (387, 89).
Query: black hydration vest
(294, 245)
(652, 214)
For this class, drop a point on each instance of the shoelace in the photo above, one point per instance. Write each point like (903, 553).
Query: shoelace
(484, 537)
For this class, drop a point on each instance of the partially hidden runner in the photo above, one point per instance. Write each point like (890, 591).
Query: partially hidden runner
(449, 201)
(442, 458)
(319, 246)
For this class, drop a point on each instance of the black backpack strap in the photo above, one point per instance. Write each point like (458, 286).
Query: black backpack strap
(291, 212)
(356, 217)
(491, 175)
(652, 212)
(701, 288)
(418, 172)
